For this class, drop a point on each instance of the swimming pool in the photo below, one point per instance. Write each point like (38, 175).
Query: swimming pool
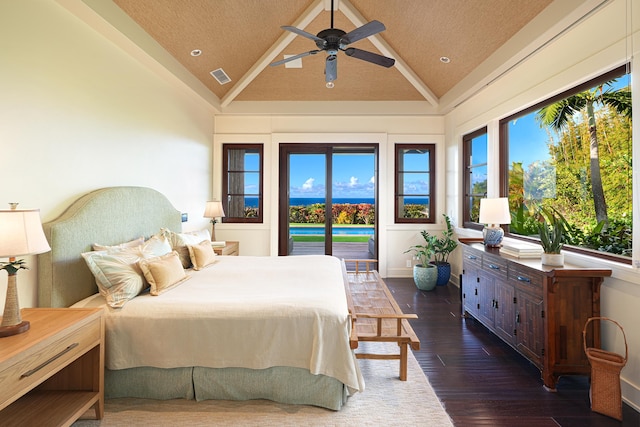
(318, 231)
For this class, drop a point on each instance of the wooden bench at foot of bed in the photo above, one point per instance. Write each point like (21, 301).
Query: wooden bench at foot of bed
(375, 315)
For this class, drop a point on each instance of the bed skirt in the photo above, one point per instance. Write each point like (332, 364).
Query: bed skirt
(279, 384)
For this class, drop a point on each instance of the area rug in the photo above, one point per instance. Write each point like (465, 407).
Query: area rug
(386, 401)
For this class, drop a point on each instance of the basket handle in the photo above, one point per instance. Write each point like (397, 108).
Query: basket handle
(584, 335)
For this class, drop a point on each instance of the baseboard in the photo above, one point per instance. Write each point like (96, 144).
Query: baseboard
(630, 394)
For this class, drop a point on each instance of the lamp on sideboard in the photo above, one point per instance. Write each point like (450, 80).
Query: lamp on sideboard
(20, 234)
(213, 210)
(494, 212)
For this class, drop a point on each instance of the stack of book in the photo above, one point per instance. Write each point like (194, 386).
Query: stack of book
(521, 250)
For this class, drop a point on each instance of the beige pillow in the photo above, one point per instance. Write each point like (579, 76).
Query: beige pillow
(180, 241)
(163, 273)
(202, 254)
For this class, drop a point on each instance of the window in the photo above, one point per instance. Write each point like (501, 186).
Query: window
(415, 183)
(242, 182)
(571, 155)
(474, 146)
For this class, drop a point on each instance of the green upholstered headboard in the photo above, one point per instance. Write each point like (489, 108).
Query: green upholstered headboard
(107, 216)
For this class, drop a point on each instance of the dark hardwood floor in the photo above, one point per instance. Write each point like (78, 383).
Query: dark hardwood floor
(480, 380)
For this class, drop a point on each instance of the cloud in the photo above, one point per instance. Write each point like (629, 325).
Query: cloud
(308, 184)
(372, 180)
(353, 181)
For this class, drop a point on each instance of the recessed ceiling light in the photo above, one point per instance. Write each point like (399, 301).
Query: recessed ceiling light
(445, 59)
(196, 52)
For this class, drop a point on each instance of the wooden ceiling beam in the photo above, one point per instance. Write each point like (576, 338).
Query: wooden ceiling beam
(305, 19)
(358, 20)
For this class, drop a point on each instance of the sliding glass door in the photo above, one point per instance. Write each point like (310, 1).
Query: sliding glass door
(327, 200)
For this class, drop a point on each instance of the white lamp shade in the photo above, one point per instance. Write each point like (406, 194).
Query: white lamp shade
(495, 211)
(213, 209)
(21, 233)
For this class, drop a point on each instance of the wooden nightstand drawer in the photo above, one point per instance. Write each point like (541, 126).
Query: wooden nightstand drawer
(57, 366)
(34, 368)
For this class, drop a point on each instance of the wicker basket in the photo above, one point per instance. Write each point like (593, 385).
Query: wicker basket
(605, 393)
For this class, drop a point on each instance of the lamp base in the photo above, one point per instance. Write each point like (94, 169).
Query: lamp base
(7, 331)
(492, 236)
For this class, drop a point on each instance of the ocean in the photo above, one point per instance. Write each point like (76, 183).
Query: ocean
(252, 202)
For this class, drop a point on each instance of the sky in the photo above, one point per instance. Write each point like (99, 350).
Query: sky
(353, 175)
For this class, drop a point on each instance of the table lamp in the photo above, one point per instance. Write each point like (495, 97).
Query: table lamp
(213, 210)
(20, 234)
(494, 212)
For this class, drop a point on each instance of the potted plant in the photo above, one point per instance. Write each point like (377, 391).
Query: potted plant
(425, 275)
(442, 248)
(551, 232)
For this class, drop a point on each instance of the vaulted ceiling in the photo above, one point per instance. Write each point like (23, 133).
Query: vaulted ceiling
(480, 38)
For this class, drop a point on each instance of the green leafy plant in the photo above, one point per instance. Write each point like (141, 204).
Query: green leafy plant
(551, 231)
(437, 247)
(423, 253)
(442, 246)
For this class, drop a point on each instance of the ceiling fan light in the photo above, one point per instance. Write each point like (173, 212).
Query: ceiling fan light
(330, 85)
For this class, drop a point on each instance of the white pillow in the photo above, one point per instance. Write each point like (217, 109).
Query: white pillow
(130, 244)
(180, 241)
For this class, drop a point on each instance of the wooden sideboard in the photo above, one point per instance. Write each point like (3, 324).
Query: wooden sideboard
(538, 310)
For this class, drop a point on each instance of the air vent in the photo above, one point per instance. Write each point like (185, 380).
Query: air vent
(220, 76)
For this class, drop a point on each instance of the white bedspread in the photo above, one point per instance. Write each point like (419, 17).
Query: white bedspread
(250, 312)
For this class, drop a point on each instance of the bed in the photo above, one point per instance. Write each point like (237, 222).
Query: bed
(243, 328)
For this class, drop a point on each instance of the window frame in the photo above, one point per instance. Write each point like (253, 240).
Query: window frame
(504, 155)
(225, 182)
(466, 179)
(431, 219)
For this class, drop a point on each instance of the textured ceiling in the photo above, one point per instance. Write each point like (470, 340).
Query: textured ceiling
(243, 36)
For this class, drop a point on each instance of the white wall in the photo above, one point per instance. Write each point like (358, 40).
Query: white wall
(77, 113)
(596, 45)
(393, 239)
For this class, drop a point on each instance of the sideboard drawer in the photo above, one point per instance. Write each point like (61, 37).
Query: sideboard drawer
(526, 279)
(472, 257)
(495, 266)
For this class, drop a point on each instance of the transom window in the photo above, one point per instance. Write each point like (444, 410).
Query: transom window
(415, 183)
(242, 182)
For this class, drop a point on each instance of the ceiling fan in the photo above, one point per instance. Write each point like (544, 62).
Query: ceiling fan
(333, 40)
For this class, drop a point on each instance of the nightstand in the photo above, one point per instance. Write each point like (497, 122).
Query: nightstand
(229, 249)
(53, 373)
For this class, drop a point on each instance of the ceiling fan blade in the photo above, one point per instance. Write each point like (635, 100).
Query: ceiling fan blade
(370, 57)
(293, 58)
(331, 68)
(302, 33)
(368, 29)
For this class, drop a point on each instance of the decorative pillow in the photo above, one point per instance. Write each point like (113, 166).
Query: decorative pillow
(132, 243)
(202, 254)
(117, 274)
(163, 273)
(180, 241)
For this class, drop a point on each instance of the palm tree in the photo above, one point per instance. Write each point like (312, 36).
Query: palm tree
(558, 114)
